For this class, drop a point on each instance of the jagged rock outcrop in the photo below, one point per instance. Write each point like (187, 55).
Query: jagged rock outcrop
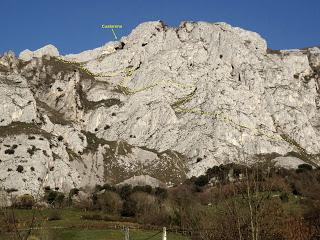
(100, 52)
(164, 102)
(49, 50)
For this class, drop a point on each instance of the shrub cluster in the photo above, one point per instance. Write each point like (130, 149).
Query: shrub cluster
(127, 201)
(225, 210)
(25, 201)
(53, 197)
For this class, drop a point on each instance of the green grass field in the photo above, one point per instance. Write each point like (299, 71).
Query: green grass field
(71, 226)
(101, 234)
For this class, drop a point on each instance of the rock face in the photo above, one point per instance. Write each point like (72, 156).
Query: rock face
(164, 102)
(49, 50)
(18, 103)
(143, 180)
(288, 162)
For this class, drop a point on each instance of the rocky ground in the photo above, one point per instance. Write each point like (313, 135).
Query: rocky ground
(164, 102)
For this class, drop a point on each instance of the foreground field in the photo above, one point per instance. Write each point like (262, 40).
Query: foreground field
(71, 226)
(276, 204)
(114, 235)
(86, 234)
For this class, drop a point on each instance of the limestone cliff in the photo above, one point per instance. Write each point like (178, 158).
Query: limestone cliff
(164, 102)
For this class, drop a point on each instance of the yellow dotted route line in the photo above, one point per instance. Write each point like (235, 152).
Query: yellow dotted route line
(128, 73)
(228, 120)
(80, 65)
(255, 131)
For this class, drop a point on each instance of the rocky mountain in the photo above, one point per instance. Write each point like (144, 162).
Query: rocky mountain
(164, 102)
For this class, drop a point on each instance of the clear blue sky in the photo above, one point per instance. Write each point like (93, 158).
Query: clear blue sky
(75, 25)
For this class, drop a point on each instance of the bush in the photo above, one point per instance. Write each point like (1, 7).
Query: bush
(161, 193)
(125, 191)
(20, 169)
(97, 217)
(84, 203)
(9, 151)
(8, 221)
(91, 217)
(312, 217)
(129, 208)
(146, 188)
(59, 198)
(220, 172)
(284, 197)
(32, 150)
(54, 215)
(98, 188)
(4, 223)
(182, 195)
(51, 196)
(201, 181)
(11, 190)
(111, 218)
(54, 197)
(150, 210)
(25, 201)
(110, 202)
(277, 184)
(295, 228)
(144, 204)
(138, 189)
(73, 191)
(303, 168)
(108, 187)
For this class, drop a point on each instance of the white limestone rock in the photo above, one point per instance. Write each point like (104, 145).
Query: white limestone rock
(163, 102)
(73, 138)
(243, 99)
(50, 50)
(143, 180)
(17, 101)
(288, 162)
(31, 162)
(93, 54)
(26, 55)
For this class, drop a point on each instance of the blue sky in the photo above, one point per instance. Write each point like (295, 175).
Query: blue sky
(75, 25)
